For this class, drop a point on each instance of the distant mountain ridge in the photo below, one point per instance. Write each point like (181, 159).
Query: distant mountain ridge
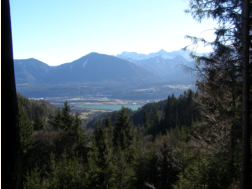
(96, 67)
(162, 53)
(172, 66)
(93, 67)
(30, 70)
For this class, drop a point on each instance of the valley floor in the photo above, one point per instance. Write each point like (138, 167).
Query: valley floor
(58, 101)
(89, 113)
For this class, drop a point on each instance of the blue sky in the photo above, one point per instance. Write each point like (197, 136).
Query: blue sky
(60, 31)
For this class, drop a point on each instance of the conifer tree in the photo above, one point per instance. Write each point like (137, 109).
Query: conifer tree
(93, 173)
(168, 168)
(97, 135)
(67, 118)
(189, 108)
(64, 119)
(26, 130)
(233, 34)
(38, 123)
(123, 132)
(124, 155)
(77, 134)
(66, 173)
(107, 156)
(101, 166)
(145, 119)
(153, 173)
(58, 120)
(26, 139)
(53, 179)
(108, 128)
(33, 179)
(154, 120)
(170, 118)
(124, 172)
(143, 165)
(155, 117)
(71, 124)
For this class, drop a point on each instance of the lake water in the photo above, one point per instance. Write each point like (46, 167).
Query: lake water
(110, 107)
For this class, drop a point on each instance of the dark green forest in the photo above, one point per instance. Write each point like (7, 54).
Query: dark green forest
(170, 144)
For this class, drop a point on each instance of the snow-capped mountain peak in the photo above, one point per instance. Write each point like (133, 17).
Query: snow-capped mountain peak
(162, 53)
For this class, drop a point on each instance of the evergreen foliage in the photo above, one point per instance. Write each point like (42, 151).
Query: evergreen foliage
(33, 179)
(145, 119)
(101, 158)
(123, 132)
(67, 173)
(33, 107)
(26, 139)
(26, 130)
(153, 169)
(38, 123)
(226, 75)
(58, 120)
(64, 120)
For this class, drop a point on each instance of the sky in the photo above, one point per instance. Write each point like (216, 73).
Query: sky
(60, 31)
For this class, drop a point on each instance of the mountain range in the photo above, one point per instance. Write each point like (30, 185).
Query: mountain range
(173, 67)
(93, 67)
(162, 53)
(103, 74)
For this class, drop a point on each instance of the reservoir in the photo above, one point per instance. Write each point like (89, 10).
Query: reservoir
(110, 107)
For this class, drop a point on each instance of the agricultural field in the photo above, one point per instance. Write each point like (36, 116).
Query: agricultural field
(89, 113)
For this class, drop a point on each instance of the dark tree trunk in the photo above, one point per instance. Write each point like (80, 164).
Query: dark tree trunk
(11, 151)
(245, 170)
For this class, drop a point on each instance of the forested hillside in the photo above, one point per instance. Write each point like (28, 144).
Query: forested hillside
(164, 114)
(168, 144)
(36, 107)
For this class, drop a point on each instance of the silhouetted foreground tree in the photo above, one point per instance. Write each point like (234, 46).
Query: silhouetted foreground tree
(232, 35)
(11, 148)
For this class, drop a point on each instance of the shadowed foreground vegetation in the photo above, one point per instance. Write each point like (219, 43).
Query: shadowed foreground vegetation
(170, 144)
